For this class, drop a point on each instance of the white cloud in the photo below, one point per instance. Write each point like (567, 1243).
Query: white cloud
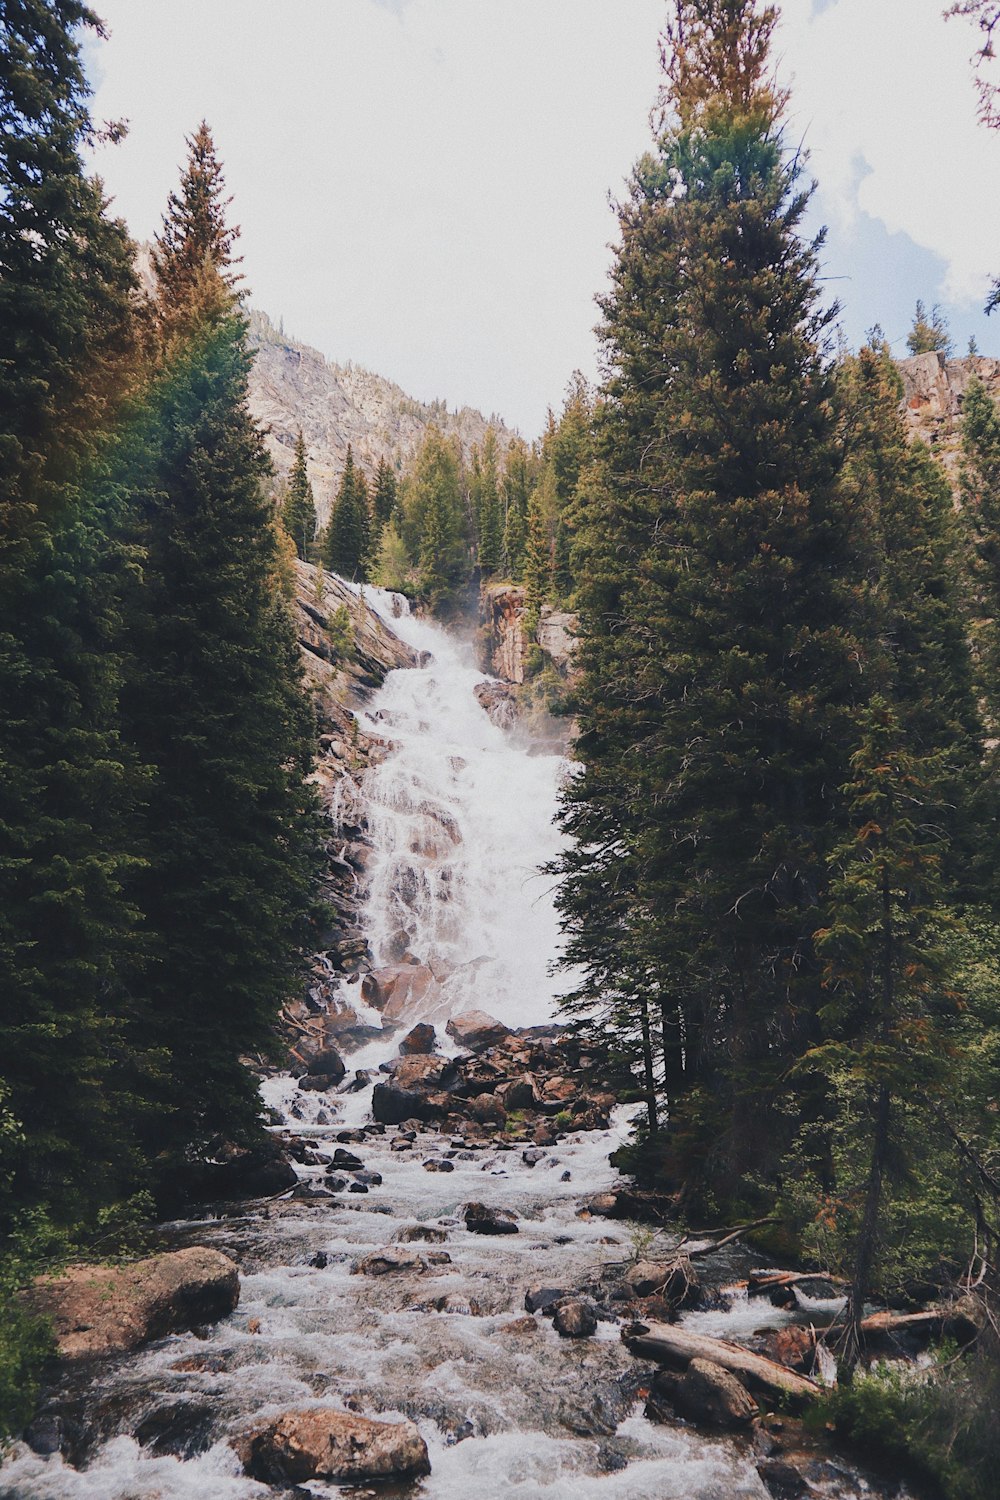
(883, 92)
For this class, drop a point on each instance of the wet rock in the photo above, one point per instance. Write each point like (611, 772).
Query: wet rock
(420, 1040)
(425, 1071)
(322, 1060)
(424, 1232)
(358, 1187)
(45, 1435)
(566, 1177)
(320, 1260)
(708, 1394)
(367, 1178)
(533, 1156)
(604, 1205)
(476, 1030)
(351, 1137)
(487, 1109)
(438, 1164)
(520, 1327)
(392, 1105)
(675, 1280)
(388, 1262)
(308, 1191)
(781, 1480)
(405, 989)
(346, 1161)
(98, 1310)
(481, 1219)
(362, 1078)
(336, 1183)
(332, 1445)
(793, 1346)
(574, 1319)
(546, 1135)
(181, 1428)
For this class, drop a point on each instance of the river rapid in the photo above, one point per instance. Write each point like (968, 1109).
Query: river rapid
(460, 814)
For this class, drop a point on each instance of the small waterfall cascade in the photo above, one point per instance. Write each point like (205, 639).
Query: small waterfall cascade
(461, 817)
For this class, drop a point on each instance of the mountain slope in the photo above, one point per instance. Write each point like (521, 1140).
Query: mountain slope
(293, 385)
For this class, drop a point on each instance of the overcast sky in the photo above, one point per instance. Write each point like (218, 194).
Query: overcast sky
(423, 185)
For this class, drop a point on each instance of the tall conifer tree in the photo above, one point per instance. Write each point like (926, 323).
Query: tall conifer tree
(66, 781)
(721, 670)
(213, 704)
(345, 543)
(299, 511)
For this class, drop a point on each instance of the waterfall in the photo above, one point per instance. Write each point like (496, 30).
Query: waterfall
(461, 817)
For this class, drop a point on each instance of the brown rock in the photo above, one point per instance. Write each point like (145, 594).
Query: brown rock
(483, 1220)
(420, 1040)
(476, 1030)
(793, 1346)
(334, 1445)
(413, 986)
(520, 1326)
(707, 1393)
(487, 1109)
(99, 1310)
(574, 1319)
(422, 1071)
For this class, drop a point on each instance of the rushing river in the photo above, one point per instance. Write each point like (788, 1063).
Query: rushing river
(461, 818)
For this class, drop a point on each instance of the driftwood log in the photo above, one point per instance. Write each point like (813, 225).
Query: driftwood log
(670, 1345)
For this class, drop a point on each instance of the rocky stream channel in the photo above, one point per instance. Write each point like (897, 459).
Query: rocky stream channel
(456, 1256)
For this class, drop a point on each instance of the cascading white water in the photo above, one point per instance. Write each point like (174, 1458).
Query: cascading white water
(460, 816)
(461, 819)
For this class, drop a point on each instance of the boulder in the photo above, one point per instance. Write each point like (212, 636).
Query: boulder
(709, 1394)
(392, 1105)
(781, 1480)
(793, 1346)
(476, 1030)
(405, 990)
(483, 1220)
(519, 1093)
(327, 1062)
(487, 1109)
(97, 1310)
(422, 1071)
(338, 1446)
(421, 1039)
(542, 1298)
(388, 1262)
(675, 1280)
(574, 1319)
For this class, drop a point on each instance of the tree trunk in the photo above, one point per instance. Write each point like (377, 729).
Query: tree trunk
(647, 1064)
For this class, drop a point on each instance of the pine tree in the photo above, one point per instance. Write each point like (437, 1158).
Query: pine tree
(213, 703)
(884, 972)
(717, 597)
(384, 499)
(435, 507)
(490, 523)
(903, 500)
(929, 334)
(537, 565)
(515, 490)
(67, 356)
(980, 492)
(345, 543)
(193, 253)
(298, 514)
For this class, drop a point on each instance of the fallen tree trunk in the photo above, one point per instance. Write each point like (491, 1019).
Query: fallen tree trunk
(768, 1281)
(670, 1345)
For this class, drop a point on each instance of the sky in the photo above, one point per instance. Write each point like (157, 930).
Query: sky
(424, 186)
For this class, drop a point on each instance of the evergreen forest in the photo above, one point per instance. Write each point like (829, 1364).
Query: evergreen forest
(780, 881)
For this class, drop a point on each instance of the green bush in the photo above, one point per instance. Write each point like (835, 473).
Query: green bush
(938, 1427)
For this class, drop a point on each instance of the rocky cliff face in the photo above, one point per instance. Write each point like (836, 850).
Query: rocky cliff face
(933, 389)
(507, 642)
(337, 682)
(293, 386)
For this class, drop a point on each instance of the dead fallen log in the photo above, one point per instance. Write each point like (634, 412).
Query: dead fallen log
(674, 1346)
(769, 1281)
